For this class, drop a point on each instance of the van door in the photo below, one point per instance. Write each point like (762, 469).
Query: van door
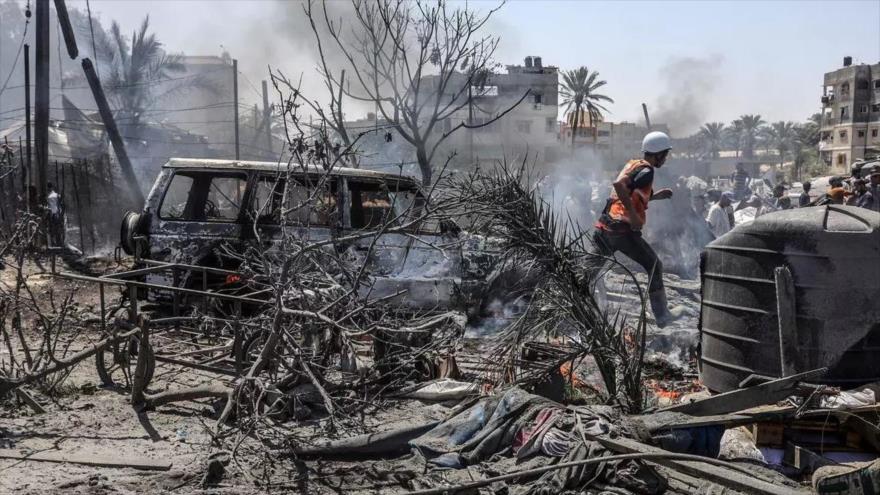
(309, 213)
(199, 211)
(420, 263)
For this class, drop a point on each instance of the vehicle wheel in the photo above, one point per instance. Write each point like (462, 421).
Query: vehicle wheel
(116, 364)
(128, 231)
(250, 350)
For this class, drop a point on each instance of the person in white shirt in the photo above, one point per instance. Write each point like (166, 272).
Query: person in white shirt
(719, 221)
(56, 216)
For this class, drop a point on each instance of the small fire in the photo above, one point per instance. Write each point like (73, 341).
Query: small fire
(669, 392)
(570, 377)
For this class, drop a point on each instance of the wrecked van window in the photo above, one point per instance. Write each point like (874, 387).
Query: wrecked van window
(201, 196)
(370, 205)
(174, 204)
(304, 206)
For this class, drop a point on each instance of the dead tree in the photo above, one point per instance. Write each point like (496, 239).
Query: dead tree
(417, 62)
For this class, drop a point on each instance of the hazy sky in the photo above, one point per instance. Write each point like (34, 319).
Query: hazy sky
(690, 61)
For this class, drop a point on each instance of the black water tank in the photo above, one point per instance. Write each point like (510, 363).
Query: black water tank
(833, 253)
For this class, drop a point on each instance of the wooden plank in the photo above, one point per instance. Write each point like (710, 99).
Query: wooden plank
(742, 399)
(88, 460)
(27, 399)
(786, 313)
(716, 474)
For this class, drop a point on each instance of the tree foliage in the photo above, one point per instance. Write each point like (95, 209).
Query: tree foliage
(578, 92)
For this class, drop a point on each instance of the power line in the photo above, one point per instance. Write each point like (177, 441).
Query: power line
(27, 22)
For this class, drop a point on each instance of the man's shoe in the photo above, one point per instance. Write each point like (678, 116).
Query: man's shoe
(662, 314)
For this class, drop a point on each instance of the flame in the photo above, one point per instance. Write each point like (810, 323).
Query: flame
(569, 375)
(672, 391)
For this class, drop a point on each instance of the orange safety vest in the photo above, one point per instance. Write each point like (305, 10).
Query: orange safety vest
(616, 212)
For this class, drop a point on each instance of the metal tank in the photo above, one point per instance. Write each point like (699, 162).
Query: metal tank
(790, 292)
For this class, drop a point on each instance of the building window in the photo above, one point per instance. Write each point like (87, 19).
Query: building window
(539, 98)
(604, 133)
(844, 89)
(876, 83)
(844, 137)
(861, 134)
(873, 133)
(844, 112)
(841, 159)
(863, 108)
(524, 126)
(551, 124)
(875, 108)
(862, 84)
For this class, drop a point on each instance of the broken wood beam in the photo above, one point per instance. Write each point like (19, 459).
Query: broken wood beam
(734, 479)
(747, 398)
(88, 460)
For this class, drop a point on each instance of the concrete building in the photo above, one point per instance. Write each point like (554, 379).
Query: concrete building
(530, 128)
(850, 129)
(615, 143)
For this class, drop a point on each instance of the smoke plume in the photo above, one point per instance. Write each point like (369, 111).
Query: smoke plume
(688, 87)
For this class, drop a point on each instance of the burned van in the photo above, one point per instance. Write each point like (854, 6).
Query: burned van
(198, 206)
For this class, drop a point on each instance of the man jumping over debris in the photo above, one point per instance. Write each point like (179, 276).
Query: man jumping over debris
(619, 227)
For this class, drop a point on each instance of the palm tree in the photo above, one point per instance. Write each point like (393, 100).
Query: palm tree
(806, 139)
(751, 125)
(734, 135)
(136, 76)
(782, 135)
(712, 135)
(578, 93)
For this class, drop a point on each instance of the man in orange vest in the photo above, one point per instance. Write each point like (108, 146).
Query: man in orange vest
(620, 225)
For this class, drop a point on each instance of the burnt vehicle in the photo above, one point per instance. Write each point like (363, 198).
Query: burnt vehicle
(197, 206)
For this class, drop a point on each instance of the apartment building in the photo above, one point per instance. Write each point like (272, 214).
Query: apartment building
(850, 129)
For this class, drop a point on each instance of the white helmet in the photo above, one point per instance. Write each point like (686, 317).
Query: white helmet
(655, 142)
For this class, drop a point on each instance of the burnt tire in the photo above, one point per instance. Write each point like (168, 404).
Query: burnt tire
(116, 364)
(128, 231)
(249, 352)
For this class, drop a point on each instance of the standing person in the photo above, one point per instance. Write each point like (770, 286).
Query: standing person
(741, 181)
(55, 209)
(860, 187)
(871, 198)
(620, 225)
(719, 221)
(804, 198)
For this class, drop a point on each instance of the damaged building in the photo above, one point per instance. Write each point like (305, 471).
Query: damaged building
(850, 128)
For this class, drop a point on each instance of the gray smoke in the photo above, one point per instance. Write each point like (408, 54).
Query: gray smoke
(688, 87)
(576, 186)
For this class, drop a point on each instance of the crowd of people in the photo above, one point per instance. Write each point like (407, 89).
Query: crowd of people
(861, 188)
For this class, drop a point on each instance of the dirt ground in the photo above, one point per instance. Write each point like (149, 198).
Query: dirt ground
(86, 419)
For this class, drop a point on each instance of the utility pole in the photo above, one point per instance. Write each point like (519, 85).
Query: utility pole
(267, 117)
(27, 116)
(235, 98)
(67, 29)
(41, 98)
(137, 196)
